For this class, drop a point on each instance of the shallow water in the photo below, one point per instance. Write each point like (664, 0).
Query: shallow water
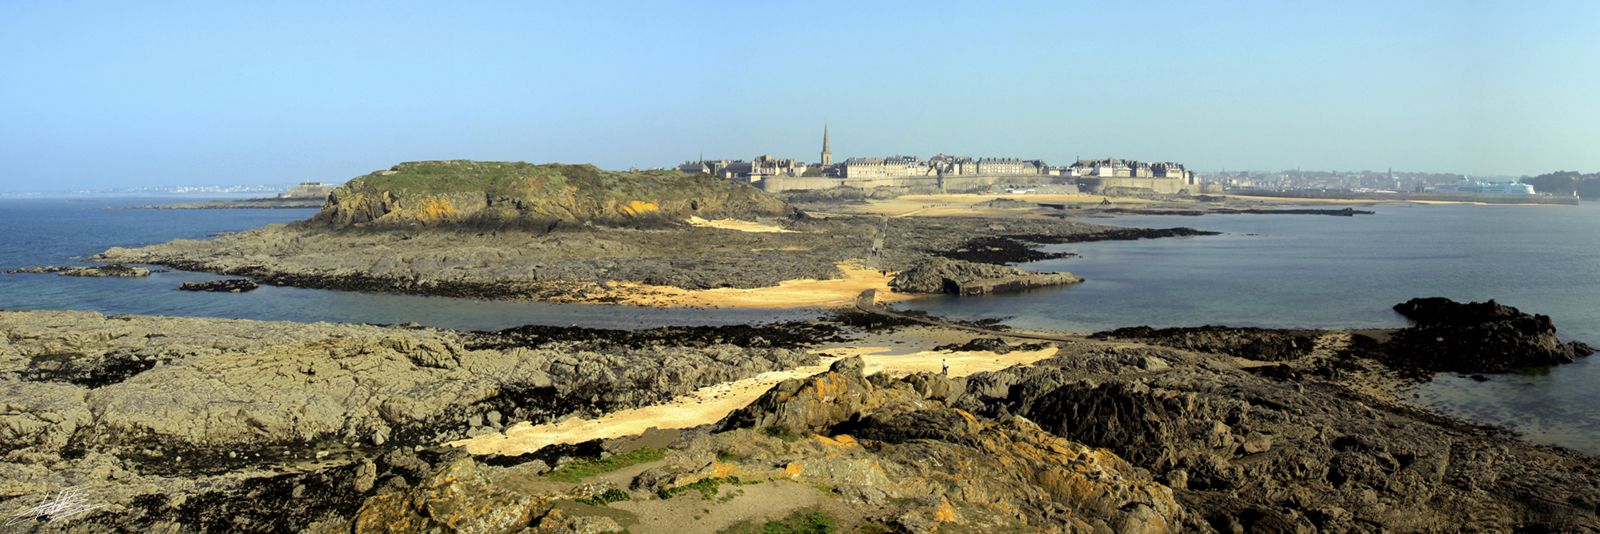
(1320, 271)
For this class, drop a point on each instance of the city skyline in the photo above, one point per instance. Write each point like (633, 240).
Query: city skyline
(116, 95)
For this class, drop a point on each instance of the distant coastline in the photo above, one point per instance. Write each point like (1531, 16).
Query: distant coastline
(249, 203)
(1459, 198)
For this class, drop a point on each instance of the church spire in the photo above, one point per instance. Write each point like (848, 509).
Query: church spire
(827, 155)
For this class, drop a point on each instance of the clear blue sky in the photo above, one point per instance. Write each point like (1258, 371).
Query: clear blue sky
(149, 93)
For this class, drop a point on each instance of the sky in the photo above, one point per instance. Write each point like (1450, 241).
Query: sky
(111, 94)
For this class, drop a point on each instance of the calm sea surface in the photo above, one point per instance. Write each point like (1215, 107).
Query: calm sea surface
(1318, 271)
(1266, 270)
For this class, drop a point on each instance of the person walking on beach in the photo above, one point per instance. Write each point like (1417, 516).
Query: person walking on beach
(946, 370)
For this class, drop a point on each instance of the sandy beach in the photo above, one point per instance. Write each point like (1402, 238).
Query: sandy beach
(800, 293)
(738, 225)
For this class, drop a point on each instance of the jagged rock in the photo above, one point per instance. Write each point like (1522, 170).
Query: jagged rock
(1477, 337)
(1255, 453)
(1253, 343)
(458, 498)
(238, 285)
(810, 405)
(956, 277)
(883, 441)
(990, 344)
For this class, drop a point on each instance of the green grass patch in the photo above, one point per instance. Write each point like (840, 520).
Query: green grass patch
(804, 521)
(518, 179)
(610, 496)
(707, 487)
(577, 470)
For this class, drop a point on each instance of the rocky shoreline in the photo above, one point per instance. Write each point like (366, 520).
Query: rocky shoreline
(581, 263)
(249, 203)
(114, 270)
(1187, 429)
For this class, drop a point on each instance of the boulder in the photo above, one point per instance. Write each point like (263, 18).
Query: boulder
(1475, 337)
(235, 285)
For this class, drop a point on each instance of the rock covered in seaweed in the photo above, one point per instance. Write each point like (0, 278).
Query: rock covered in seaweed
(236, 285)
(1476, 337)
(115, 270)
(958, 277)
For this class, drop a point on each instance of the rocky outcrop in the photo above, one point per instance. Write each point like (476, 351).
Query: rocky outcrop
(236, 285)
(1476, 337)
(1012, 247)
(459, 497)
(218, 392)
(955, 277)
(516, 194)
(900, 445)
(1253, 343)
(116, 270)
(1247, 452)
(579, 262)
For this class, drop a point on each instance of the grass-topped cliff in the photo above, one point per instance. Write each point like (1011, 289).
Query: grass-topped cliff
(518, 193)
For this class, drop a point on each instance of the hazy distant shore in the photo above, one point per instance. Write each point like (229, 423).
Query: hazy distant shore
(253, 203)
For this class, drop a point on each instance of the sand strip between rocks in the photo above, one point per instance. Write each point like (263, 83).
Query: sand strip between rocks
(710, 404)
(736, 224)
(831, 293)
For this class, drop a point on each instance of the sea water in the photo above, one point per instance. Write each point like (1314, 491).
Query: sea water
(1327, 272)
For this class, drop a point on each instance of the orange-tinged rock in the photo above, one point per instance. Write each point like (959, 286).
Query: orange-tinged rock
(945, 513)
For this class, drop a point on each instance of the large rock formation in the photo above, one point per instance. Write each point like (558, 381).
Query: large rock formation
(527, 195)
(1476, 337)
(1296, 445)
(957, 277)
(1253, 343)
(898, 447)
(218, 391)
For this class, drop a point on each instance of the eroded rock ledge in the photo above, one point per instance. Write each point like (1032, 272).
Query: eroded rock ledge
(956, 277)
(115, 270)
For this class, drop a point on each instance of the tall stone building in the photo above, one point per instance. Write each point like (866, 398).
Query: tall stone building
(827, 155)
